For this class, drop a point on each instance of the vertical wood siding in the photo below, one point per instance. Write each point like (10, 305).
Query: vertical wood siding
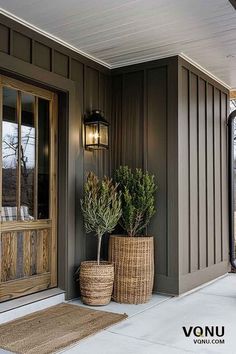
(144, 134)
(193, 174)
(94, 93)
(224, 186)
(157, 146)
(183, 149)
(165, 115)
(202, 182)
(132, 124)
(175, 117)
(203, 218)
(210, 176)
(127, 120)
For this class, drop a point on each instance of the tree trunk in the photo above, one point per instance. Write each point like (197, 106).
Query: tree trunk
(99, 248)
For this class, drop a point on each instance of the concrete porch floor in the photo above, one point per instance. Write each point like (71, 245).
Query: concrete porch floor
(156, 327)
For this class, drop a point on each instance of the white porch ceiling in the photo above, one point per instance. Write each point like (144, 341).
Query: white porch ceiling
(122, 32)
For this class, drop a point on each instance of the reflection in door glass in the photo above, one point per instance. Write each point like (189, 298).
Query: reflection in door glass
(25, 165)
(27, 155)
(43, 159)
(9, 155)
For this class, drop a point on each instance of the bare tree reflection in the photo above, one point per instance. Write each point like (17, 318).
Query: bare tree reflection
(10, 162)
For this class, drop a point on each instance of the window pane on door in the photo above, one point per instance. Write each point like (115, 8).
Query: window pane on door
(27, 156)
(9, 155)
(43, 159)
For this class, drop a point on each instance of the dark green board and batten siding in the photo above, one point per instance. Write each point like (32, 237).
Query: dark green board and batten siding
(144, 126)
(203, 205)
(27, 54)
(166, 116)
(176, 118)
(93, 79)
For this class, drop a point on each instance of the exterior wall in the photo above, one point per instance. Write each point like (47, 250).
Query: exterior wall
(167, 117)
(170, 118)
(85, 84)
(203, 206)
(144, 134)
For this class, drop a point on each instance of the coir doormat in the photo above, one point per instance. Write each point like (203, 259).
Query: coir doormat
(55, 328)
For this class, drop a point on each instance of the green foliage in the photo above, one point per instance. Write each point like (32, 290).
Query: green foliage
(138, 191)
(101, 206)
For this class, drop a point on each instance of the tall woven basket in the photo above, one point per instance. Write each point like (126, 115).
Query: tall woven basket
(133, 259)
(96, 282)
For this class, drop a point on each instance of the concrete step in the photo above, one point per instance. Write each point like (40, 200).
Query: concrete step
(12, 309)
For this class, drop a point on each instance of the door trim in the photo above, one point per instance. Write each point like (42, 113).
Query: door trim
(23, 86)
(53, 186)
(71, 239)
(50, 224)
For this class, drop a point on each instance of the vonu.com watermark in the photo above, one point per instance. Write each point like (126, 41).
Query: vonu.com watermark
(206, 334)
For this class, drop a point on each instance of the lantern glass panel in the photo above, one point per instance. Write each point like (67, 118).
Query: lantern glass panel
(91, 134)
(103, 134)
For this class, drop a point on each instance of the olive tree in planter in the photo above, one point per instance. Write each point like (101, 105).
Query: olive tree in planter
(101, 207)
(133, 253)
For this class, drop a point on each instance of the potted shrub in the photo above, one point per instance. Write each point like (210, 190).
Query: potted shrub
(133, 253)
(101, 207)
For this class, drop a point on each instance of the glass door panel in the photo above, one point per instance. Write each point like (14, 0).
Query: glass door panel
(9, 155)
(43, 159)
(28, 157)
(25, 187)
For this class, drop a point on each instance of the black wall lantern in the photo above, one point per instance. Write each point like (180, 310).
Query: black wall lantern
(96, 131)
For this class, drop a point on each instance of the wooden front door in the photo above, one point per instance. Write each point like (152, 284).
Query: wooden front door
(28, 189)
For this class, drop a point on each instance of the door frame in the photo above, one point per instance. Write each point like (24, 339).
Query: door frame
(37, 281)
(71, 240)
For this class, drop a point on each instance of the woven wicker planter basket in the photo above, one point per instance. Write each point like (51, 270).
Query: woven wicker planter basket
(133, 259)
(96, 282)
